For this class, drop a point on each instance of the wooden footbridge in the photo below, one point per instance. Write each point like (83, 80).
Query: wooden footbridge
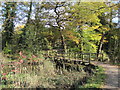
(59, 54)
(70, 60)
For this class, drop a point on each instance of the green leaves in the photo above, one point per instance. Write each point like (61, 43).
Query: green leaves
(85, 22)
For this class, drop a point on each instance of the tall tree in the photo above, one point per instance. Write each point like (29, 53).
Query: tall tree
(57, 19)
(9, 14)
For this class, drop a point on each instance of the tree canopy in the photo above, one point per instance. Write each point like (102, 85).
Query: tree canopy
(85, 27)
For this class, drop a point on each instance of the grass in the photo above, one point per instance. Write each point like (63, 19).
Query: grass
(95, 81)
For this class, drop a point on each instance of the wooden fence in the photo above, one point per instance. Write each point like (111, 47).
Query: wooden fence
(84, 57)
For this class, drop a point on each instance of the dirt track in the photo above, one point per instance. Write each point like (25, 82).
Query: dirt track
(112, 81)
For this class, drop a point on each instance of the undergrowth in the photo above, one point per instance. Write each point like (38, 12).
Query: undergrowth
(96, 80)
(20, 74)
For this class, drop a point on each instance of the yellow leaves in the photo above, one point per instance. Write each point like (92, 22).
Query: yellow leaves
(70, 35)
(99, 34)
(105, 41)
(19, 27)
(77, 41)
(19, 32)
(22, 26)
(95, 36)
(95, 27)
(88, 28)
(105, 29)
(73, 38)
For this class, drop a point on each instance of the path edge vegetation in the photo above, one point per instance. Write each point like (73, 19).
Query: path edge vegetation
(96, 80)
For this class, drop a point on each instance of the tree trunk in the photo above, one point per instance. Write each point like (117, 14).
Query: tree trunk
(28, 17)
(100, 45)
(29, 13)
(60, 30)
(23, 37)
(63, 41)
